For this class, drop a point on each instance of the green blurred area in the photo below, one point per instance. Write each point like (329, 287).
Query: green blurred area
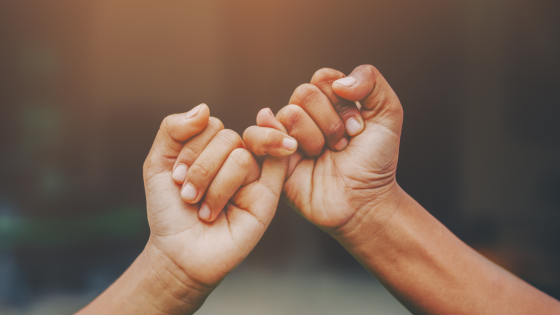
(122, 223)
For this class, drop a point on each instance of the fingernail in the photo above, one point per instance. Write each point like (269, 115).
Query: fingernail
(193, 112)
(353, 126)
(204, 213)
(340, 145)
(347, 82)
(289, 144)
(270, 111)
(189, 192)
(180, 173)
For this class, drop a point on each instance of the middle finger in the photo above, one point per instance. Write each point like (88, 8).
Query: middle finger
(206, 166)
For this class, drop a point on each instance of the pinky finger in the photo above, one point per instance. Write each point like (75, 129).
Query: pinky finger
(268, 141)
(238, 170)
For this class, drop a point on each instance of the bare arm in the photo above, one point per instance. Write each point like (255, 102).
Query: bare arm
(430, 270)
(349, 190)
(208, 202)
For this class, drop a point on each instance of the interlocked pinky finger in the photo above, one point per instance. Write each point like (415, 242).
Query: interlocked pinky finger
(239, 169)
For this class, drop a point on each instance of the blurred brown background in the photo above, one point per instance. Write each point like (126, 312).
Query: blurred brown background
(85, 84)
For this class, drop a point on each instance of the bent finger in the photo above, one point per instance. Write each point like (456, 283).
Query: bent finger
(319, 108)
(347, 110)
(379, 102)
(238, 170)
(173, 132)
(206, 166)
(267, 141)
(301, 127)
(193, 148)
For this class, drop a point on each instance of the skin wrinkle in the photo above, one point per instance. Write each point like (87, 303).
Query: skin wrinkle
(324, 81)
(416, 257)
(199, 169)
(166, 286)
(263, 225)
(229, 138)
(197, 144)
(241, 160)
(360, 209)
(192, 154)
(183, 249)
(214, 192)
(373, 178)
(231, 236)
(334, 128)
(226, 211)
(168, 289)
(389, 166)
(264, 183)
(195, 281)
(298, 192)
(308, 96)
(305, 94)
(176, 233)
(335, 170)
(311, 188)
(149, 168)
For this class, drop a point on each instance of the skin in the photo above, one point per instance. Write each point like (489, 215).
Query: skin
(344, 182)
(341, 178)
(188, 256)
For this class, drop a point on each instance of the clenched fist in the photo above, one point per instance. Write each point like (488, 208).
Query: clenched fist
(347, 159)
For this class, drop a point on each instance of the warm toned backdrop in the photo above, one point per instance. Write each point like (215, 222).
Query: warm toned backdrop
(84, 85)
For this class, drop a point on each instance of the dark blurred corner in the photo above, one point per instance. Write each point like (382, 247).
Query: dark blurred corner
(85, 84)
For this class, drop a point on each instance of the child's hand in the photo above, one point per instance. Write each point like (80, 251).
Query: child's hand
(336, 187)
(194, 239)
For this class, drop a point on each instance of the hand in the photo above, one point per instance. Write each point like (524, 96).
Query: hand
(191, 247)
(330, 186)
(194, 170)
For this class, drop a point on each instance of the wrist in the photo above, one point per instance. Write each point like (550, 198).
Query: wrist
(371, 218)
(172, 290)
(150, 286)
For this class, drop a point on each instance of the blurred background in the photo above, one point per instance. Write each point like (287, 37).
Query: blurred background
(84, 86)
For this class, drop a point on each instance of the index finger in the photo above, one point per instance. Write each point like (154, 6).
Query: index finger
(318, 106)
(173, 132)
(347, 110)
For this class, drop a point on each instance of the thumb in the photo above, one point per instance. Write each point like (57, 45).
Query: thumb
(379, 102)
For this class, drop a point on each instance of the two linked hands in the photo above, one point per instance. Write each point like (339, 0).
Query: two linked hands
(211, 195)
(332, 154)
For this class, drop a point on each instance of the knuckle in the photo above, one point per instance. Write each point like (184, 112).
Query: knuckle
(344, 109)
(369, 69)
(268, 138)
(325, 75)
(164, 126)
(315, 148)
(290, 115)
(305, 93)
(229, 137)
(253, 141)
(249, 134)
(241, 157)
(215, 123)
(189, 153)
(335, 128)
(214, 194)
(201, 169)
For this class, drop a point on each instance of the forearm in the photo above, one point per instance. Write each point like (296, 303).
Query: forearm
(430, 270)
(151, 285)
